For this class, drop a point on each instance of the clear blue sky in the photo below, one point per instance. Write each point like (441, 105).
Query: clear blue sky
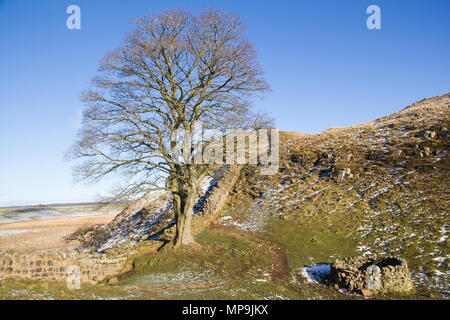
(325, 67)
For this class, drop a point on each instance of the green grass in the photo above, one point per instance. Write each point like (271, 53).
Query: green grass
(222, 257)
(226, 267)
(307, 244)
(32, 290)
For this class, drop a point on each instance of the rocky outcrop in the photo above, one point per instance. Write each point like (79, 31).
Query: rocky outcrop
(428, 134)
(397, 153)
(371, 275)
(344, 173)
(347, 157)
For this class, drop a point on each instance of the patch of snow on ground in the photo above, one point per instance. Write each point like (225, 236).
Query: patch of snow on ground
(179, 278)
(16, 231)
(31, 214)
(316, 273)
(365, 250)
(255, 219)
(444, 236)
(438, 282)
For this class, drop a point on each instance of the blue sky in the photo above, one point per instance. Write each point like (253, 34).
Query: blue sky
(325, 67)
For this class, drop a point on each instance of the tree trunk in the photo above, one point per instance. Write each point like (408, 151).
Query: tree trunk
(183, 206)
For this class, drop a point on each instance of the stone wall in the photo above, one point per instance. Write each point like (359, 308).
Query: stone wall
(371, 275)
(218, 197)
(54, 266)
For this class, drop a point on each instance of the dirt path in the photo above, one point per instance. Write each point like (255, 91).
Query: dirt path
(45, 234)
(279, 270)
(280, 266)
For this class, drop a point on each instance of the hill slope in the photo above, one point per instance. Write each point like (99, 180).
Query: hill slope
(383, 186)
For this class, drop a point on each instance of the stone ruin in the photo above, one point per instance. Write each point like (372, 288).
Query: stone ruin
(371, 275)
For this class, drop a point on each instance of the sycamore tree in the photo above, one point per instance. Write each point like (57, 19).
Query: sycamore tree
(174, 71)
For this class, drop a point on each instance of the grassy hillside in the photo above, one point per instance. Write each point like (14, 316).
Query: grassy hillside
(379, 188)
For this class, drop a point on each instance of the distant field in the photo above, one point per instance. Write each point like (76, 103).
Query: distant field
(18, 214)
(44, 227)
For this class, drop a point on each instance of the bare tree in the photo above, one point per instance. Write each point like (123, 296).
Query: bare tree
(174, 71)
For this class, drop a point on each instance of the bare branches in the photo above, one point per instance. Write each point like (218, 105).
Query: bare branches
(174, 71)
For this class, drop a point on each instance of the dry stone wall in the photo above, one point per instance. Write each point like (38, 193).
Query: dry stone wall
(364, 274)
(215, 201)
(55, 266)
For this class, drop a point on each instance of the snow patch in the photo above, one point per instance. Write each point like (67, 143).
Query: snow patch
(316, 273)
